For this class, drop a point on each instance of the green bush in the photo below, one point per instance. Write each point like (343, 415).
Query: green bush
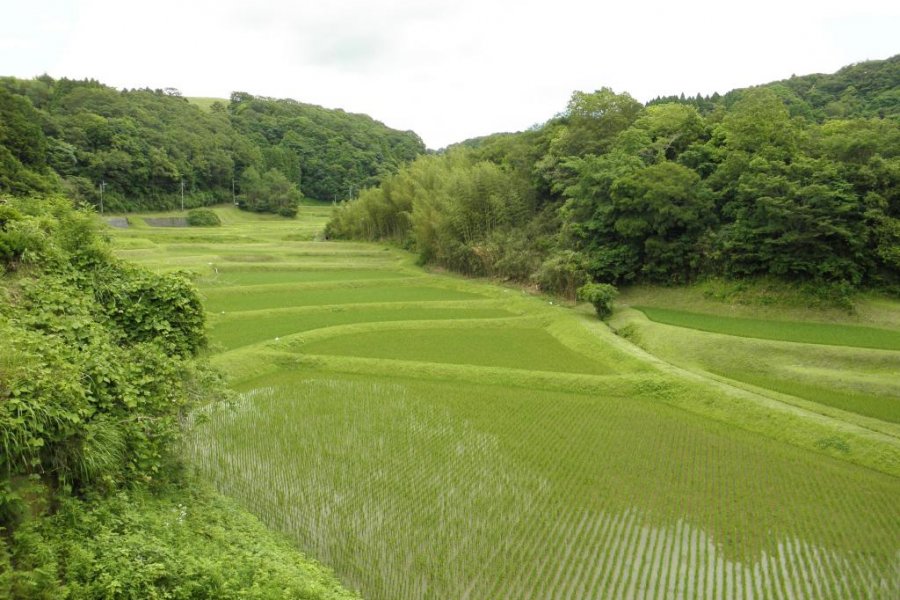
(180, 543)
(203, 217)
(601, 295)
(96, 368)
(562, 273)
(97, 379)
(270, 192)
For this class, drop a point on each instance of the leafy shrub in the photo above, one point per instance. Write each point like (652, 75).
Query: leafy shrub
(96, 369)
(147, 307)
(15, 241)
(182, 543)
(601, 295)
(203, 217)
(563, 273)
(630, 332)
(97, 377)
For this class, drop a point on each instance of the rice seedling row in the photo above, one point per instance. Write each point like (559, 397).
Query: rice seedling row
(432, 483)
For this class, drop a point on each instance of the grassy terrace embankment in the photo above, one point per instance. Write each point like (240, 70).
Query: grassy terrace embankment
(429, 436)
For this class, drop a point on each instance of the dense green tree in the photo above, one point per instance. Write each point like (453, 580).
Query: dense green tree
(589, 126)
(670, 129)
(759, 124)
(594, 120)
(270, 192)
(800, 220)
(600, 295)
(23, 147)
(661, 212)
(20, 130)
(331, 154)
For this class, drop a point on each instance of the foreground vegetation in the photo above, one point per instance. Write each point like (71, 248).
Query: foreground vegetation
(428, 436)
(98, 371)
(182, 542)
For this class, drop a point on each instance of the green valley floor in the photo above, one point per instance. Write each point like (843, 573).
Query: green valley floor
(428, 436)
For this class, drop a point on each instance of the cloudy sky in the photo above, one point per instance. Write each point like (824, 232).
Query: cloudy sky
(447, 69)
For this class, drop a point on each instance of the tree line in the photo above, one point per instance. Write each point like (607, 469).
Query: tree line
(797, 180)
(147, 149)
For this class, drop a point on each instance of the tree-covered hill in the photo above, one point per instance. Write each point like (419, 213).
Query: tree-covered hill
(330, 152)
(797, 180)
(866, 89)
(142, 146)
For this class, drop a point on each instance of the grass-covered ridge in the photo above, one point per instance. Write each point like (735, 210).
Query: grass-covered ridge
(235, 329)
(489, 443)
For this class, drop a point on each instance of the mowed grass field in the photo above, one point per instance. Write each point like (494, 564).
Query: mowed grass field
(432, 437)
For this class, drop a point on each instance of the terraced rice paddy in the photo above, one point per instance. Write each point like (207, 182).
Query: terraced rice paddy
(430, 437)
(787, 331)
(824, 366)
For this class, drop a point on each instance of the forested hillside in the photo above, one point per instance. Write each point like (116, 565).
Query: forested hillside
(330, 153)
(867, 89)
(142, 146)
(798, 180)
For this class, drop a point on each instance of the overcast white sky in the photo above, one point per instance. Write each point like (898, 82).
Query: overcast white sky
(447, 69)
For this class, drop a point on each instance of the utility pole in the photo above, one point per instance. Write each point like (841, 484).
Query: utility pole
(102, 185)
(233, 197)
(182, 194)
